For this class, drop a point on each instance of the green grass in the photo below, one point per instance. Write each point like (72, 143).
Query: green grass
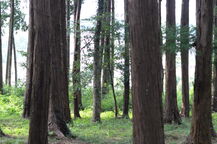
(109, 131)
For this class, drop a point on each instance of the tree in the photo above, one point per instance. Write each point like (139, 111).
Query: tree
(57, 119)
(1, 79)
(146, 75)
(171, 108)
(97, 65)
(184, 46)
(201, 115)
(10, 44)
(41, 72)
(76, 75)
(215, 62)
(126, 62)
(107, 48)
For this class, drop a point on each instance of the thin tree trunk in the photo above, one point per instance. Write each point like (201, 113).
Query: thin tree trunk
(201, 115)
(126, 63)
(68, 24)
(15, 62)
(146, 74)
(1, 77)
(112, 36)
(41, 73)
(184, 45)
(171, 107)
(77, 60)
(10, 44)
(29, 73)
(97, 65)
(106, 61)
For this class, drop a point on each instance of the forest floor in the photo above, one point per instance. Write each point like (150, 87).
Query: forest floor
(109, 131)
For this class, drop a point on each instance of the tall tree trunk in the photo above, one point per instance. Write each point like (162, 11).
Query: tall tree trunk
(112, 36)
(76, 75)
(106, 61)
(184, 45)
(126, 62)
(41, 73)
(65, 66)
(29, 73)
(68, 24)
(15, 61)
(10, 44)
(57, 119)
(171, 107)
(144, 33)
(1, 77)
(215, 62)
(97, 65)
(201, 115)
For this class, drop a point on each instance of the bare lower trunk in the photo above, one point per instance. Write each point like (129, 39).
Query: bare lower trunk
(15, 62)
(1, 74)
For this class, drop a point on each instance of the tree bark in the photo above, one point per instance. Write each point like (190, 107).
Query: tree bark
(1, 74)
(126, 62)
(144, 33)
(10, 45)
(171, 108)
(184, 45)
(97, 65)
(76, 75)
(41, 73)
(29, 73)
(201, 115)
(15, 61)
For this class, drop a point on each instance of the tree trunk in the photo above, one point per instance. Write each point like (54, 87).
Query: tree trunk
(171, 108)
(68, 24)
(215, 62)
(29, 73)
(126, 63)
(112, 37)
(97, 65)
(65, 66)
(76, 75)
(106, 61)
(201, 115)
(144, 33)
(41, 73)
(184, 45)
(15, 61)
(10, 44)
(1, 78)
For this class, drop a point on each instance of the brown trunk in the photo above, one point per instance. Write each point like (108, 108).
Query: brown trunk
(97, 65)
(126, 63)
(201, 115)
(41, 73)
(30, 52)
(184, 45)
(106, 61)
(215, 63)
(1, 78)
(64, 67)
(10, 45)
(76, 75)
(171, 107)
(112, 37)
(146, 75)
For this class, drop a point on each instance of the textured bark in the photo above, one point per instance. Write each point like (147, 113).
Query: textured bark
(41, 73)
(201, 115)
(184, 45)
(171, 112)
(65, 66)
(215, 63)
(106, 60)
(29, 73)
(10, 45)
(76, 75)
(97, 65)
(1, 74)
(126, 63)
(144, 33)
